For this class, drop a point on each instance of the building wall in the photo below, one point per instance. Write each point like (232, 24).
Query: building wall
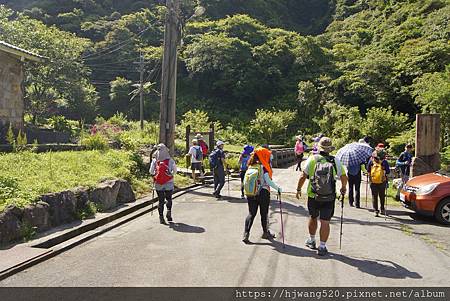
(11, 94)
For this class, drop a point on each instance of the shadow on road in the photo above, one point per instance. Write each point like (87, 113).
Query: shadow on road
(377, 268)
(184, 228)
(224, 198)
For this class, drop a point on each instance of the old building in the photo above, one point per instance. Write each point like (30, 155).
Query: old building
(11, 82)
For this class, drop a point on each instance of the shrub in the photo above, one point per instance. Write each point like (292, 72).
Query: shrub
(198, 120)
(60, 124)
(342, 123)
(270, 126)
(120, 120)
(397, 144)
(95, 142)
(383, 123)
(230, 135)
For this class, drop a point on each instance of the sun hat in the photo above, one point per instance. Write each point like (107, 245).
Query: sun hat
(248, 149)
(199, 136)
(325, 145)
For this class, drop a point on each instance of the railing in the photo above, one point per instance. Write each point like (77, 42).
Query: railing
(283, 157)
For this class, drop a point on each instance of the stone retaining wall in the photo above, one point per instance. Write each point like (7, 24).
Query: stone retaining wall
(55, 209)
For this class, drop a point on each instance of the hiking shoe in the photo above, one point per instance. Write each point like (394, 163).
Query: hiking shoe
(383, 212)
(245, 238)
(268, 235)
(161, 220)
(310, 243)
(322, 251)
(351, 205)
(169, 216)
(242, 196)
(358, 206)
(377, 213)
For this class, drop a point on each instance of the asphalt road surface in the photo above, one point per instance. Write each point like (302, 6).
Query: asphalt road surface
(203, 248)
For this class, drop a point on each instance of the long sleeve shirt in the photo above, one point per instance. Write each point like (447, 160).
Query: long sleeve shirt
(267, 182)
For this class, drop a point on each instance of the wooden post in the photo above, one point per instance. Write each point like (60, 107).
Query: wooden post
(428, 131)
(169, 75)
(212, 143)
(188, 133)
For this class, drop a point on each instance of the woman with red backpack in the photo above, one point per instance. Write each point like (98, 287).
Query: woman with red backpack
(163, 169)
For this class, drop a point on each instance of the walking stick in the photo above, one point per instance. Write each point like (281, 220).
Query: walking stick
(367, 184)
(281, 214)
(386, 200)
(153, 186)
(342, 220)
(228, 171)
(153, 196)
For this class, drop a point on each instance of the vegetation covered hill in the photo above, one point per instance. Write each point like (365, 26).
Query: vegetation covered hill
(331, 62)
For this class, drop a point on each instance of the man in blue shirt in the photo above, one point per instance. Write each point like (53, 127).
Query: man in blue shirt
(354, 183)
(404, 162)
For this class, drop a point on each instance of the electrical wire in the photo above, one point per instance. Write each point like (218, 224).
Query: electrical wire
(119, 45)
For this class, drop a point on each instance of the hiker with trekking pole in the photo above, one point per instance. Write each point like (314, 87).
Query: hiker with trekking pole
(163, 170)
(257, 183)
(321, 169)
(217, 163)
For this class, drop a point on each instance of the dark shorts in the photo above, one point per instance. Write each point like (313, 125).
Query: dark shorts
(196, 166)
(323, 210)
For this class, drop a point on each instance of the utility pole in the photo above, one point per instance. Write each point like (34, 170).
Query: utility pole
(141, 70)
(169, 75)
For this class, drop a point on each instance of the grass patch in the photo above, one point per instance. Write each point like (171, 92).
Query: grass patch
(407, 230)
(27, 175)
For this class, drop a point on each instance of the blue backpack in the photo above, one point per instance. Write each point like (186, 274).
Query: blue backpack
(244, 163)
(214, 159)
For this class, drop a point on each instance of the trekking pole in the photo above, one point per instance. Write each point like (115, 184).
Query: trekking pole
(228, 171)
(386, 200)
(153, 196)
(152, 152)
(367, 187)
(342, 220)
(281, 215)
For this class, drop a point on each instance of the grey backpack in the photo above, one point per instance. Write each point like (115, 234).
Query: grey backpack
(323, 183)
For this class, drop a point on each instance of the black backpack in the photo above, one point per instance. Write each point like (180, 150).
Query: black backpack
(323, 183)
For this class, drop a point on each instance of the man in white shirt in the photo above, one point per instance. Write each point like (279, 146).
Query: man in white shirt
(196, 158)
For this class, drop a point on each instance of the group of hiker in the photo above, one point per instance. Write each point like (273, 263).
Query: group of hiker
(256, 174)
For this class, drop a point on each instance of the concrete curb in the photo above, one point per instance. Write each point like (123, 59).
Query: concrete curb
(75, 237)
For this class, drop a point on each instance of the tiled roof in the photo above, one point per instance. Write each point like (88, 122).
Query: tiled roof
(21, 53)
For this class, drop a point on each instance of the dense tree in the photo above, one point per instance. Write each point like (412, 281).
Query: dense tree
(60, 84)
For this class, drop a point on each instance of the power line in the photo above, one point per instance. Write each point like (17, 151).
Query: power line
(121, 44)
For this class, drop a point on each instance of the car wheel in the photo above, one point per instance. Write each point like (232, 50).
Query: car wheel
(442, 213)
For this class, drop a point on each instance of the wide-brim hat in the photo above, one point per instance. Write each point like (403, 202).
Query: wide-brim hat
(325, 145)
(199, 136)
(299, 137)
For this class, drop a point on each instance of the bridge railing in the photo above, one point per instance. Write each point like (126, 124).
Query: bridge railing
(283, 156)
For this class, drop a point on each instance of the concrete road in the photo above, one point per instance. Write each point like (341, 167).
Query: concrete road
(203, 248)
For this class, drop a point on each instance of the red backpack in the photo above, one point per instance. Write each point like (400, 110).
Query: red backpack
(162, 172)
(204, 147)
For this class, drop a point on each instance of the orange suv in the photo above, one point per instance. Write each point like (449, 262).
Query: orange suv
(428, 194)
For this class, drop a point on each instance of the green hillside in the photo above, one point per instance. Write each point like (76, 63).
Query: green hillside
(324, 60)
